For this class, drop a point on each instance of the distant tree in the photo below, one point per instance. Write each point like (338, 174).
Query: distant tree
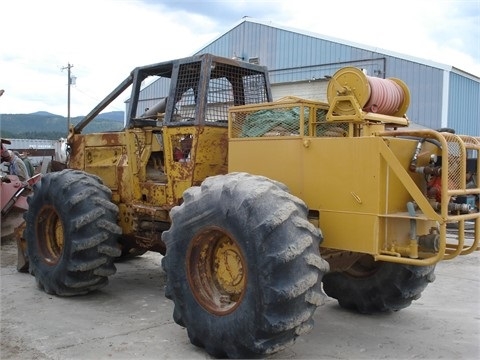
(46, 126)
(6, 134)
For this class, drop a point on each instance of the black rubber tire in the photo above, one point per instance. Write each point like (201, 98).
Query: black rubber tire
(129, 253)
(71, 233)
(281, 265)
(375, 287)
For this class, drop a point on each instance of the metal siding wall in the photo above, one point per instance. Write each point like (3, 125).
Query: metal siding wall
(464, 105)
(425, 95)
(152, 94)
(425, 84)
(294, 57)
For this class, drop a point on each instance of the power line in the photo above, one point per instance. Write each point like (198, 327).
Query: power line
(97, 98)
(68, 67)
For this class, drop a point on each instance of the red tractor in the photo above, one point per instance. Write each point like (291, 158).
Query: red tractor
(13, 197)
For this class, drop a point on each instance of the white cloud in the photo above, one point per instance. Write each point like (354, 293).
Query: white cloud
(446, 32)
(106, 39)
(103, 39)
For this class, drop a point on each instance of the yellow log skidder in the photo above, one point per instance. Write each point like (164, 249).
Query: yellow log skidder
(257, 206)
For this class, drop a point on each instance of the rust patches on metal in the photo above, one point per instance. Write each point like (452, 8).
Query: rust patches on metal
(110, 139)
(154, 211)
(77, 156)
(184, 170)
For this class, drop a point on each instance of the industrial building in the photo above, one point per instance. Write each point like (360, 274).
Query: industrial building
(300, 64)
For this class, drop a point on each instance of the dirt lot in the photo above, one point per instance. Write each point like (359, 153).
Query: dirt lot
(132, 319)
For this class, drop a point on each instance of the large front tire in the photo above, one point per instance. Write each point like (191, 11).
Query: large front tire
(373, 287)
(243, 266)
(71, 233)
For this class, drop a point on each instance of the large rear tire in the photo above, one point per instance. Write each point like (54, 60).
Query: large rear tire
(243, 266)
(373, 287)
(71, 233)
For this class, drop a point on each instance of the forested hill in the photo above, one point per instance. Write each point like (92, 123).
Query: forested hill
(44, 125)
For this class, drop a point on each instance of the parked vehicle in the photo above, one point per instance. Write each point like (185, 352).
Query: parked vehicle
(233, 189)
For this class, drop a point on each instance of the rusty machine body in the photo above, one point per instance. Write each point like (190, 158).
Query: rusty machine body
(169, 148)
(233, 190)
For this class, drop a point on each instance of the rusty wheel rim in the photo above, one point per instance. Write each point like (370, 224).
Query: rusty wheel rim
(50, 236)
(216, 271)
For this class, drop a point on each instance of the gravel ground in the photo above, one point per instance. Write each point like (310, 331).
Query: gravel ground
(132, 319)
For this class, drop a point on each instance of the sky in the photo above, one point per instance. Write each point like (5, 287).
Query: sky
(104, 40)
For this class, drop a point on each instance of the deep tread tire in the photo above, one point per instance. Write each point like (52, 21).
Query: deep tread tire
(129, 253)
(71, 233)
(384, 287)
(280, 250)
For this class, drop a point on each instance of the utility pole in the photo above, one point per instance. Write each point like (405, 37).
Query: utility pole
(68, 67)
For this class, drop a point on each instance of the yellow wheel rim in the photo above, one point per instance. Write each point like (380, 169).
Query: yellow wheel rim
(216, 271)
(49, 235)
